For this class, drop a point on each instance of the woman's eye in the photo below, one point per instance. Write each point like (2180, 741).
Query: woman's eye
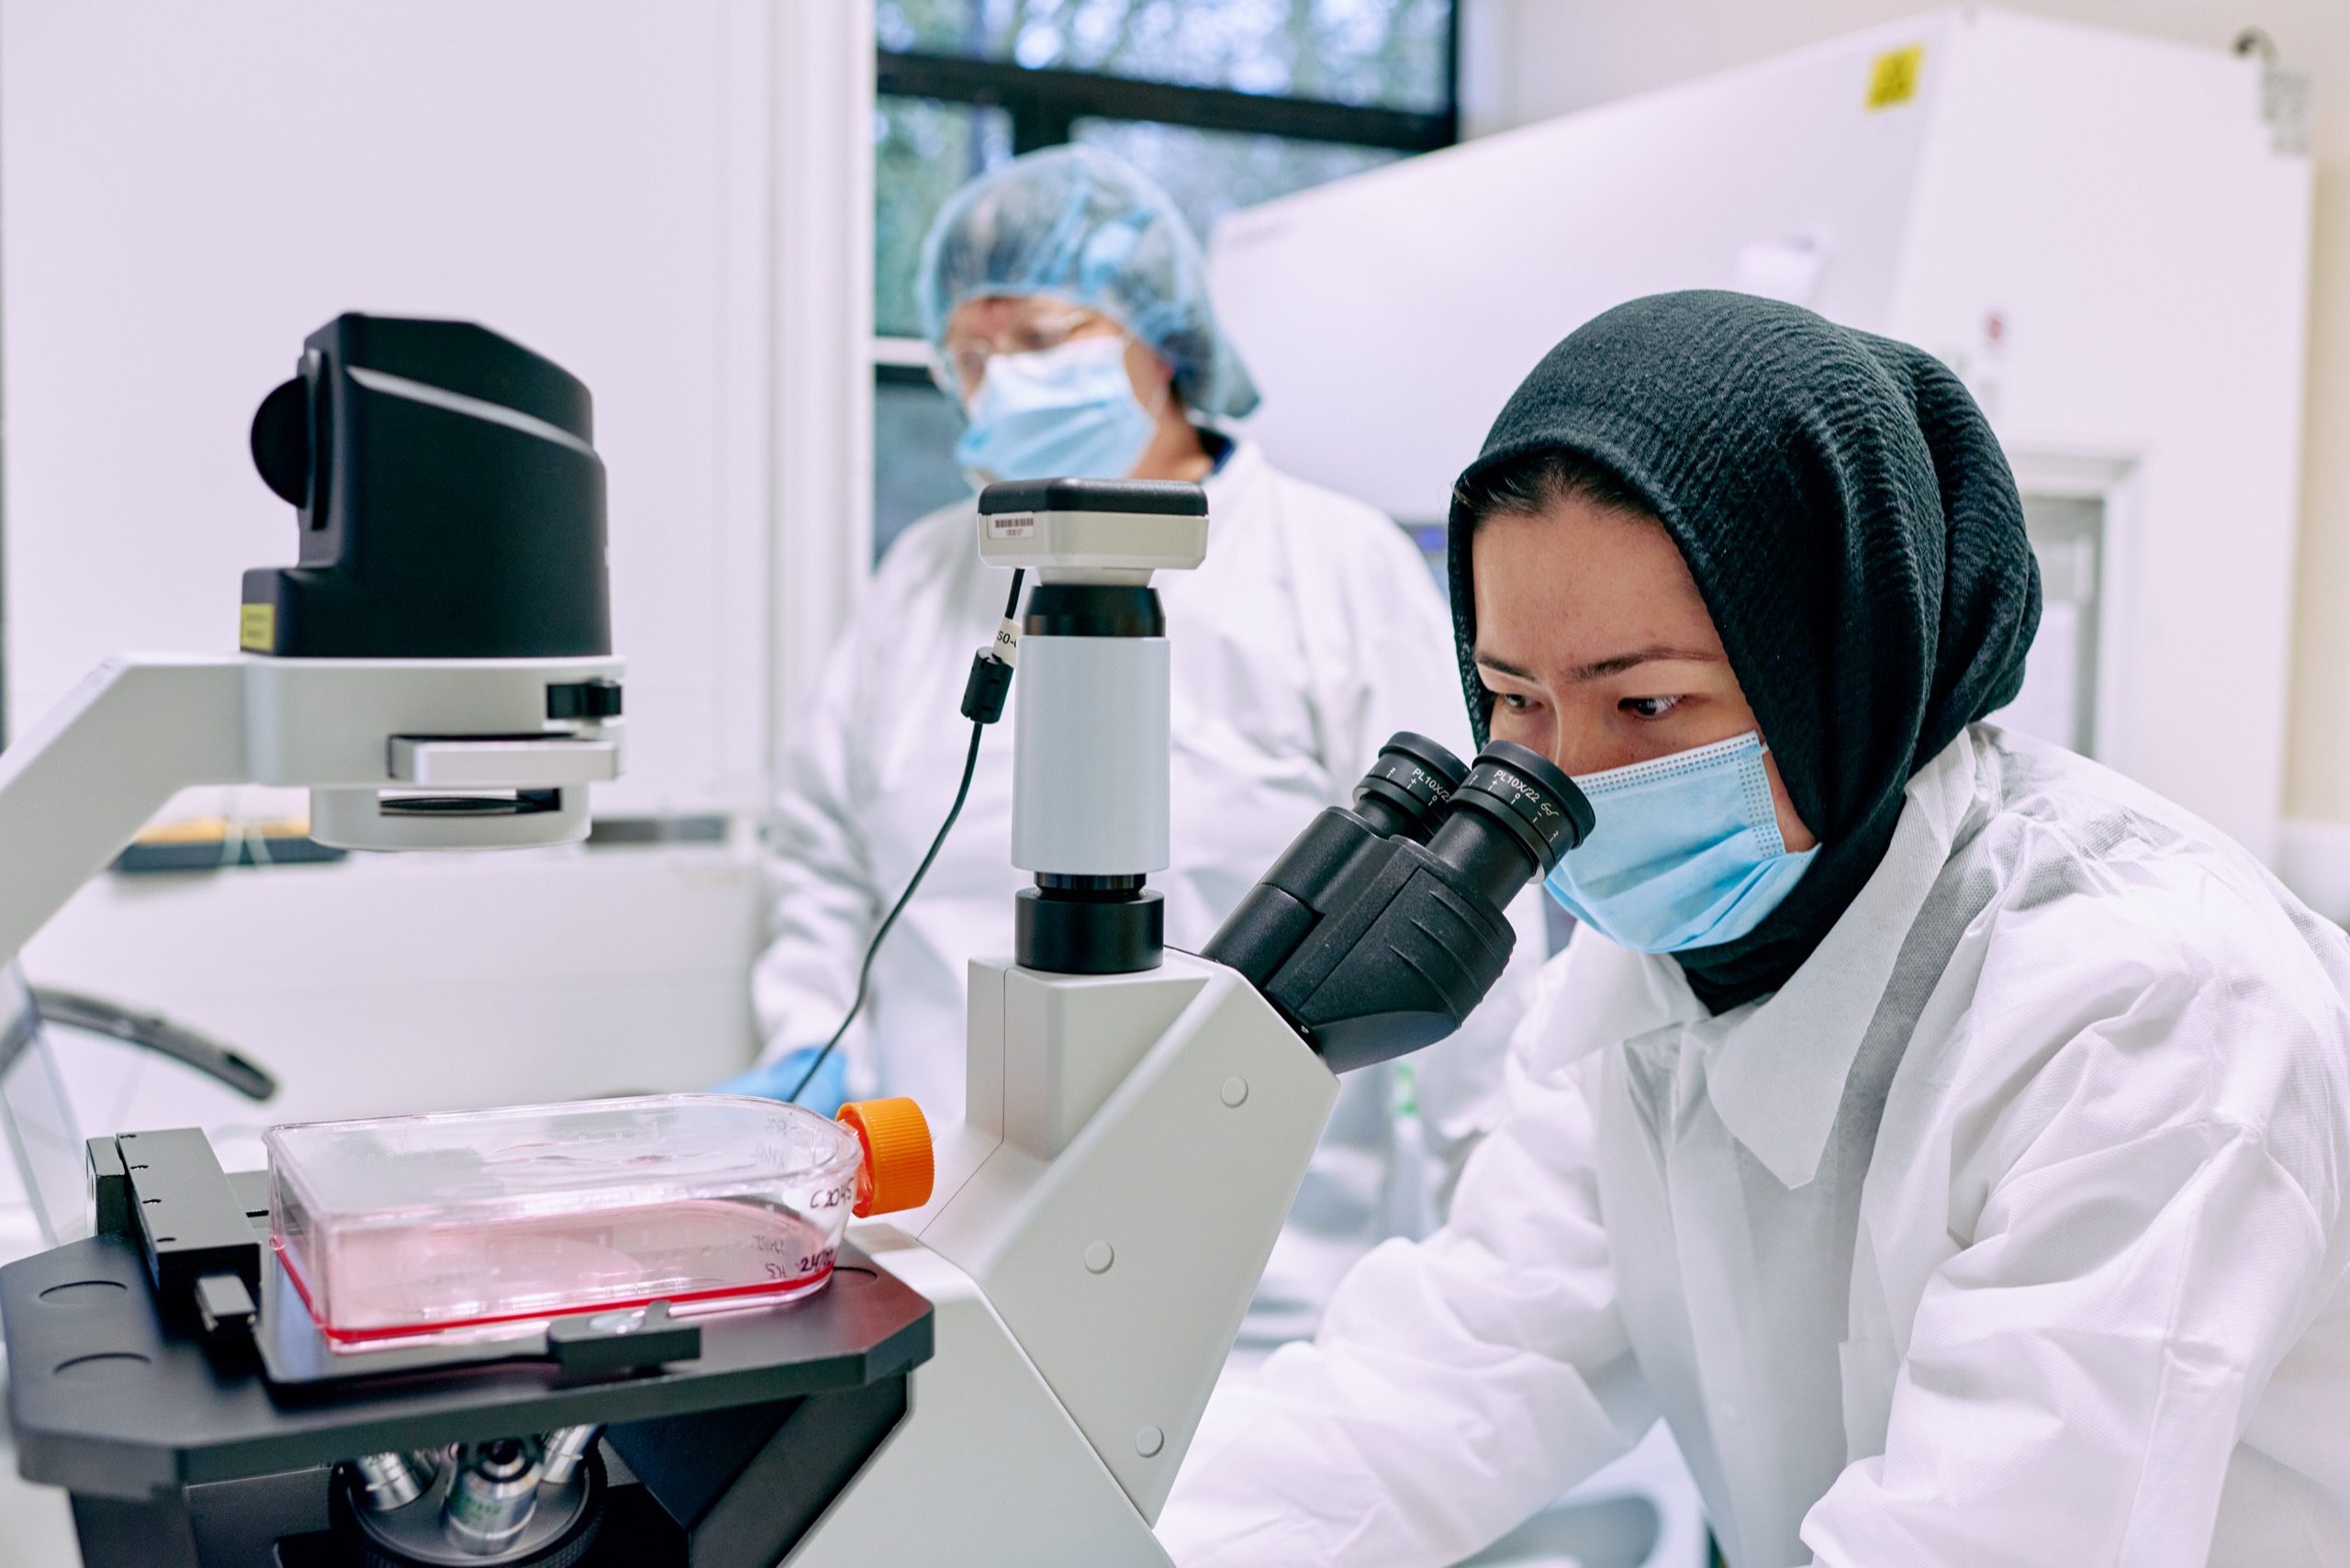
(1517, 702)
(1649, 707)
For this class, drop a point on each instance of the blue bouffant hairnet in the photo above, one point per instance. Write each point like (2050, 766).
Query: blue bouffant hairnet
(1075, 223)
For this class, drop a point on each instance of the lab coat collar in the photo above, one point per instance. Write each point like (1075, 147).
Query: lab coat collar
(1776, 1068)
(1776, 1071)
(1606, 996)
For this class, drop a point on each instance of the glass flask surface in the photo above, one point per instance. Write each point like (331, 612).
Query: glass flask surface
(483, 1221)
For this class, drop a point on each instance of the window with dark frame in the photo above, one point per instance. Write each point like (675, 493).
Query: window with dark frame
(1225, 103)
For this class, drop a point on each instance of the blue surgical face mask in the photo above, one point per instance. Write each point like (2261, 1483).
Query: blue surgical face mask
(1685, 852)
(1069, 410)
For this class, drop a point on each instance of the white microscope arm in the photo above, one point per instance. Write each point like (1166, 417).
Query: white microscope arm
(1133, 1144)
(83, 782)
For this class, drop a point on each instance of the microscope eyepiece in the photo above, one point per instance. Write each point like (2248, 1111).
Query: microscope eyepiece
(1528, 796)
(1406, 789)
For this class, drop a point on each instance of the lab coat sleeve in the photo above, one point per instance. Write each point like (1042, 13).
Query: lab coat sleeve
(2079, 1374)
(821, 902)
(1456, 1387)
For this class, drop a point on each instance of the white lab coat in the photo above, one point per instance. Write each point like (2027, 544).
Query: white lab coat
(1311, 632)
(2010, 1231)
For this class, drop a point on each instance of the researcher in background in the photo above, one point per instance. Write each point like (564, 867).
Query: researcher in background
(1947, 1137)
(1067, 303)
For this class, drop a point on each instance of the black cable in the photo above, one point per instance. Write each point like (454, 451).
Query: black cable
(865, 972)
(962, 791)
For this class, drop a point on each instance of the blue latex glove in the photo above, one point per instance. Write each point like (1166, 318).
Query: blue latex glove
(776, 1079)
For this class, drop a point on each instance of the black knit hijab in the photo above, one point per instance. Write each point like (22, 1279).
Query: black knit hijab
(1856, 534)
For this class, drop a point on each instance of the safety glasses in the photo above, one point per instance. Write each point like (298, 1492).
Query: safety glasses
(960, 363)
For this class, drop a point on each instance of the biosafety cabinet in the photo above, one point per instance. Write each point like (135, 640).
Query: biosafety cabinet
(2108, 237)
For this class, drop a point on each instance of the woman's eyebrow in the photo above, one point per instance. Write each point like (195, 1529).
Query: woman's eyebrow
(1616, 665)
(1654, 653)
(1503, 665)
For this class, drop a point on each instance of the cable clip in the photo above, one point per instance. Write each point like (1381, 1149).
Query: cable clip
(989, 687)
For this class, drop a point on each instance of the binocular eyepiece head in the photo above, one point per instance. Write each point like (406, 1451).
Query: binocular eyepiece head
(1417, 787)
(1381, 927)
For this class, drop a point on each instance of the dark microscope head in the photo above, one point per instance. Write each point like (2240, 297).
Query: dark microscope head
(1381, 927)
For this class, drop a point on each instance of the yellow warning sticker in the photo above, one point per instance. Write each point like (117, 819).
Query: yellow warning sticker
(257, 629)
(1894, 78)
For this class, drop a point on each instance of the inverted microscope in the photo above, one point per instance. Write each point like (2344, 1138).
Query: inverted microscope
(1008, 1370)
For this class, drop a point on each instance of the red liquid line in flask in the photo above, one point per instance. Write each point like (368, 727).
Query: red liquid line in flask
(807, 1243)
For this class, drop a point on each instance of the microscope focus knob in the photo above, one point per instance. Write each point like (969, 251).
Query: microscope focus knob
(898, 1169)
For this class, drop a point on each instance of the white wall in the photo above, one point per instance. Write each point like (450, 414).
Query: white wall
(1529, 59)
(648, 194)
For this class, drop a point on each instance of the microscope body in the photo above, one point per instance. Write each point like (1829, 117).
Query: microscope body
(1139, 1121)
(1131, 1147)
(1136, 1125)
